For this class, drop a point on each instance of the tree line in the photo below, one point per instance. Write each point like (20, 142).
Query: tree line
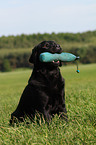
(82, 44)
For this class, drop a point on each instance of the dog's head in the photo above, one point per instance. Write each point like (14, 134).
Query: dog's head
(45, 46)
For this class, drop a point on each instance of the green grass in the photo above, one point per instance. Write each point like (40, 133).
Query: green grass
(80, 103)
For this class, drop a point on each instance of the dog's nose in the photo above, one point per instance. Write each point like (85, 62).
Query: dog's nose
(58, 48)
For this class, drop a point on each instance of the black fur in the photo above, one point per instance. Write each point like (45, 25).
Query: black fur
(45, 90)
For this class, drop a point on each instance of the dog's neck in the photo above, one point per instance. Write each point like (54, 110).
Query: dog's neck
(46, 69)
(47, 74)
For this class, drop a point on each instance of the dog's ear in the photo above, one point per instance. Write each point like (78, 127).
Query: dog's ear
(33, 56)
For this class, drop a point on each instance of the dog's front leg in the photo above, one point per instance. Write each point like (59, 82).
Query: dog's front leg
(62, 112)
(47, 116)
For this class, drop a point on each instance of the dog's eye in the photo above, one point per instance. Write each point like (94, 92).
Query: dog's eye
(47, 45)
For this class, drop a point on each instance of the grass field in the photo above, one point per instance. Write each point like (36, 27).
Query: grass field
(80, 103)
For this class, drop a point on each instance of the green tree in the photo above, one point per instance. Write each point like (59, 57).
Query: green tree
(6, 66)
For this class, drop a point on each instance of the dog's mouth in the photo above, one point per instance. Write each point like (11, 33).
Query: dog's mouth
(46, 57)
(56, 63)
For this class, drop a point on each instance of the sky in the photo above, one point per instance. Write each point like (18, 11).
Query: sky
(46, 16)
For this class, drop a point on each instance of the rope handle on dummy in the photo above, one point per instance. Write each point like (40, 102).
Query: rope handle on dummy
(64, 57)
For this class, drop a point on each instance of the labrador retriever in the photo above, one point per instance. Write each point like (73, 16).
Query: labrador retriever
(45, 92)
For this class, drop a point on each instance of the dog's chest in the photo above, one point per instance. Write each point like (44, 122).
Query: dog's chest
(53, 81)
(46, 80)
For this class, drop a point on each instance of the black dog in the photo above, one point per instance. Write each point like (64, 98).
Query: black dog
(45, 90)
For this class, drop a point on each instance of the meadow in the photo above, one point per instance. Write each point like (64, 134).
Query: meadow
(80, 103)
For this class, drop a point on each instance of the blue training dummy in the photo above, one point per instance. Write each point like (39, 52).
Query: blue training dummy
(64, 57)
(49, 57)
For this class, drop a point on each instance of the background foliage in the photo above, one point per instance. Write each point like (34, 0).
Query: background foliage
(17, 49)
